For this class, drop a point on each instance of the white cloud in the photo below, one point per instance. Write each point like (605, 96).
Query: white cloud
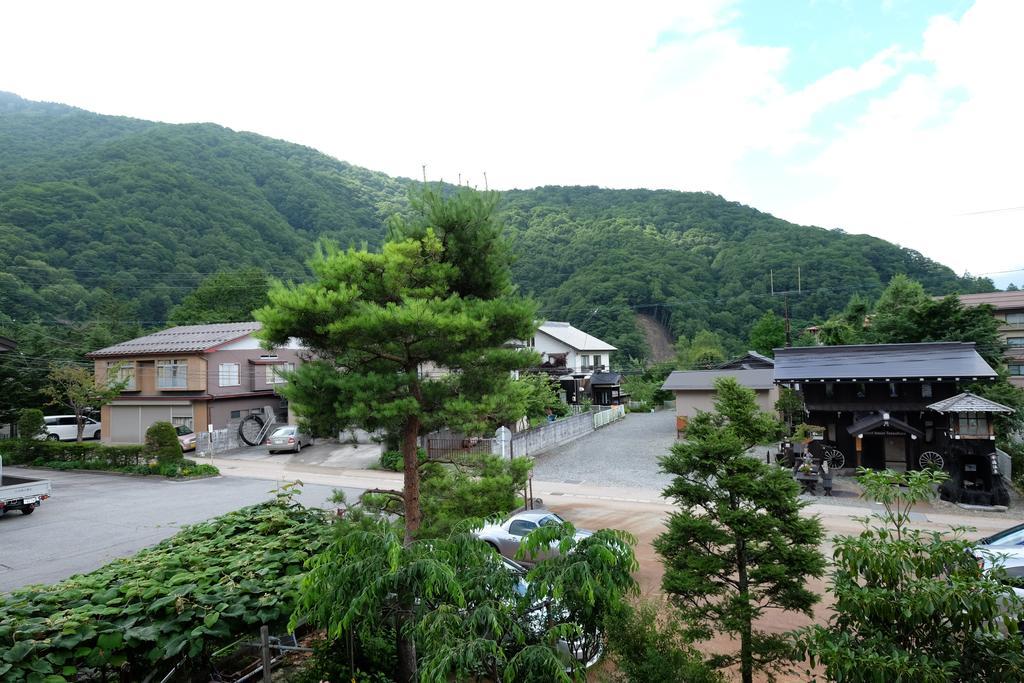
(662, 94)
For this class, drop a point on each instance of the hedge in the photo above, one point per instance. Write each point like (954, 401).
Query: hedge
(179, 601)
(32, 451)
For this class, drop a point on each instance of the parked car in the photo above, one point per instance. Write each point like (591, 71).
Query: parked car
(64, 428)
(540, 615)
(288, 438)
(1007, 537)
(507, 536)
(186, 437)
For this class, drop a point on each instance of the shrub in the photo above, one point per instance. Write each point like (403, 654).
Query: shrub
(392, 460)
(31, 423)
(33, 452)
(645, 650)
(162, 443)
(179, 601)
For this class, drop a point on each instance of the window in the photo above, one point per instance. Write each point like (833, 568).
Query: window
(229, 374)
(1015, 341)
(597, 361)
(973, 424)
(521, 527)
(235, 414)
(274, 372)
(585, 360)
(1016, 370)
(926, 390)
(830, 389)
(894, 391)
(1015, 318)
(182, 422)
(120, 371)
(171, 374)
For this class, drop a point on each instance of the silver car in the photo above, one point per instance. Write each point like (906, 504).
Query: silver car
(507, 536)
(288, 438)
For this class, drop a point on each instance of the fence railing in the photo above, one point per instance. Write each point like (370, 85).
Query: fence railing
(455, 449)
(217, 441)
(605, 417)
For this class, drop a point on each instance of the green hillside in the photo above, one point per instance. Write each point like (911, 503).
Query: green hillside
(104, 217)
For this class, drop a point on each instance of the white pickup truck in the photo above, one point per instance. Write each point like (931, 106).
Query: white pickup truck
(21, 493)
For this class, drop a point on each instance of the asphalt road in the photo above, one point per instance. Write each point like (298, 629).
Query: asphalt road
(95, 518)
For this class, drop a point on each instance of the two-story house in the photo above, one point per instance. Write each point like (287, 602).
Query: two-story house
(576, 350)
(194, 375)
(1009, 311)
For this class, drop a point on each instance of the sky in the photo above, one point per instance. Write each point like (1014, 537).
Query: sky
(897, 118)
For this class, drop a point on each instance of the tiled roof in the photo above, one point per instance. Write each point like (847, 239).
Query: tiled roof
(968, 403)
(998, 300)
(577, 339)
(683, 380)
(184, 338)
(881, 362)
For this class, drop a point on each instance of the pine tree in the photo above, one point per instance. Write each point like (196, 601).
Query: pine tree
(408, 339)
(737, 545)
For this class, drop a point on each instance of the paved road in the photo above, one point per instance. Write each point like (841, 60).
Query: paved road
(94, 518)
(625, 453)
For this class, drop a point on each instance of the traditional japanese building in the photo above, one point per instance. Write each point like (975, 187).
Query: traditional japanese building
(897, 406)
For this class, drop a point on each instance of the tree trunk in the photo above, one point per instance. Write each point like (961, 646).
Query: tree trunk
(411, 490)
(746, 654)
(79, 426)
(407, 667)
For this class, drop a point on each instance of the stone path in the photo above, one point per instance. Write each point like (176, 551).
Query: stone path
(625, 453)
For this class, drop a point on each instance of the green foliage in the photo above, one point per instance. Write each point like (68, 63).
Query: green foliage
(767, 334)
(737, 545)
(454, 496)
(790, 405)
(915, 605)
(225, 297)
(646, 648)
(392, 460)
(204, 587)
(75, 387)
(31, 452)
(31, 423)
(106, 214)
(162, 444)
(702, 352)
(374, 320)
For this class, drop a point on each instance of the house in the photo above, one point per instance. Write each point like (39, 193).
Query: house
(573, 348)
(694, 390)
(194, 375)
(899, 406)
(573, 358)
(1009, 311)
(752, 360)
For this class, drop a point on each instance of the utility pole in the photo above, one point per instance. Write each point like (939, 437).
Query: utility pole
(789, 333)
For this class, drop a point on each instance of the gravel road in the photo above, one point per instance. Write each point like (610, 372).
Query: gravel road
(625, 453)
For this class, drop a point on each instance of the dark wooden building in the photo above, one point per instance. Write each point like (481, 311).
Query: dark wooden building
(897, 406)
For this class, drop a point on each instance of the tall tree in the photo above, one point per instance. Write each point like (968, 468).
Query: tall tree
(915, 605)
(704, 351)
(737, 545)
(409, 339)
(768, 333)
(77, 388)
(227, 297)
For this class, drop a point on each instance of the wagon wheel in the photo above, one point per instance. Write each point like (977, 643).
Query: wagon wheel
(834, 457)
(249, 430)
(930, 460)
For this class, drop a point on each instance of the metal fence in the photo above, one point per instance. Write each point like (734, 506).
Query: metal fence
(457, 449)
(217, 441)
(611, 414)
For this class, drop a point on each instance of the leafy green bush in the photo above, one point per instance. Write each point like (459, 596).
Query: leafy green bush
(645, 650)
(31, 423)
(185, 597)
(31, 452)
(162, 443)
(392, 460)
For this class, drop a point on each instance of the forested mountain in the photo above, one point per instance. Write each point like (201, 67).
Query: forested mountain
(114, 220)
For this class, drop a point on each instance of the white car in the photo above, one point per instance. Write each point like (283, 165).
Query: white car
(64, 428)
(506, 536)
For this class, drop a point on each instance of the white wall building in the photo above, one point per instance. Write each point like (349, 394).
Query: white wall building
(583, 352)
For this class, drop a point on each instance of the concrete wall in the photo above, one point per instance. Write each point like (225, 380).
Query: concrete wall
(690, 401)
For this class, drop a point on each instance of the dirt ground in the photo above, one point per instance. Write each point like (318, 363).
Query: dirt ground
(643, 514)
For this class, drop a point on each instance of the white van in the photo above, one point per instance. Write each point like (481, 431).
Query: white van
(63, 428)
